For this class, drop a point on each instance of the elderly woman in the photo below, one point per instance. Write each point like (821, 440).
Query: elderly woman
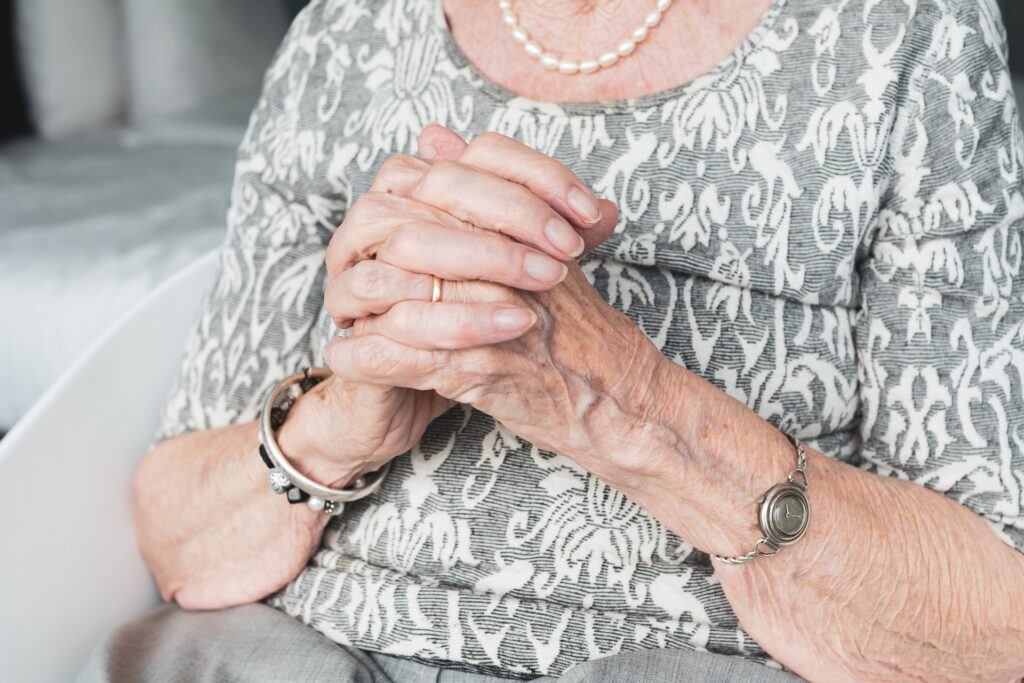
(681, 341)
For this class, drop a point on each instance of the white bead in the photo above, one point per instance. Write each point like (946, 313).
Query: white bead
(505, 4)
(625, 49)
(520, 35)
(315, 503)
(652, 19)
(663, 5)
(509, 17)
(568, 68)
(589, 66)
(549, 61)
(533, 49)
(640, 34)
(608, 59)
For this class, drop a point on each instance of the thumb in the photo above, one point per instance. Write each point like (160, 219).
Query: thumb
(593, 237)
(438, 142)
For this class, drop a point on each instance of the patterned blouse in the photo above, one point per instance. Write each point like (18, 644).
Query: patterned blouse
(827, 226)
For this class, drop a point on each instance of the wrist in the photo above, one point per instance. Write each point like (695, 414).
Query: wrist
(303, 437)
(703, 460)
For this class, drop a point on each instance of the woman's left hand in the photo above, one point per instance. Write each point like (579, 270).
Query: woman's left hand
(570, 385)
(578, 383)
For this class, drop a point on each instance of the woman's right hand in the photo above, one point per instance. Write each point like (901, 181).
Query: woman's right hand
(511, 217)
(342, 430)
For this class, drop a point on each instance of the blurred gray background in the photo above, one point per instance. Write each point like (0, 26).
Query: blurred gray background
(119, 121)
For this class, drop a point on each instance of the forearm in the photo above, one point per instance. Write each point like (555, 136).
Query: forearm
(207, 524)
(892, 581)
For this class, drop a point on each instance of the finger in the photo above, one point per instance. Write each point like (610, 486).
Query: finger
(371, 288)
(438, 142)
(375, 359)
(370, 222)
(425, 325)
(460, 255)
(399, 174)
(494, 203)
(416, 238)
(543, 175)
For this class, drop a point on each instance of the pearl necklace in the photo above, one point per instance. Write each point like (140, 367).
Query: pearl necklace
(552, 62)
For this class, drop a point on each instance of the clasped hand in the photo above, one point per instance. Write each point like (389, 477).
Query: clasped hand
(520, 333)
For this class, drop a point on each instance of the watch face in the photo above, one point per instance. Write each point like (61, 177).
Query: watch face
(789, 514)
(784, 514)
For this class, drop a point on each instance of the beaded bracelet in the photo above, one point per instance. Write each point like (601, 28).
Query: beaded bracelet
(284, 478)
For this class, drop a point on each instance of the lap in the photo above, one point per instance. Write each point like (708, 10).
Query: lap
(261, 644)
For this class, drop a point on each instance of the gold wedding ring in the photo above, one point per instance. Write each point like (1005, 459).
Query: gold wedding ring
(438, 290)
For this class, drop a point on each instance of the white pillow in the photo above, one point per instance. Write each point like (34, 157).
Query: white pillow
(184, 55)
(71, 57)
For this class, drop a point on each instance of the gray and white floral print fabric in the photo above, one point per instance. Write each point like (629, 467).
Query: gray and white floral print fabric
(827, 226)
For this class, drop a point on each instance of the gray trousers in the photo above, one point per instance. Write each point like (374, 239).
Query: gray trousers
(261, 644)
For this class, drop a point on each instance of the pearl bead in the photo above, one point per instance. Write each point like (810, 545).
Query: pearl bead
(551, 62)
(315, 503)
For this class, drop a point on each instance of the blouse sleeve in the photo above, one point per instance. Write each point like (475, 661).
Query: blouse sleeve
(257, 323)
(941, 327)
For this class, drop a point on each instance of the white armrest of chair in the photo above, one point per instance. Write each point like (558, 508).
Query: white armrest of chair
(70, 571)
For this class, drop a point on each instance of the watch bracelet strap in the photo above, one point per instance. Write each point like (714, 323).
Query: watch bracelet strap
(771, 547)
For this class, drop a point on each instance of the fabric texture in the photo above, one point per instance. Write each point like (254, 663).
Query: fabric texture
(70, 53)
(256, 643)
(184, 54)
(827, 226)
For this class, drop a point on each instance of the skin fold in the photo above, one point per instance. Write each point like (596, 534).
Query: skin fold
(891, 582)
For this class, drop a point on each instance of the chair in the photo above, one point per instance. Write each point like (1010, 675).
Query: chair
(69, 569)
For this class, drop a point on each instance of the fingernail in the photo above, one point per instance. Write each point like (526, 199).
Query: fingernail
(544, 269)
(584, 204)
(514, 319)
(561, 234)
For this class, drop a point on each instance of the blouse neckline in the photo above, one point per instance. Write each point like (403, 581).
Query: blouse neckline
(707, 80)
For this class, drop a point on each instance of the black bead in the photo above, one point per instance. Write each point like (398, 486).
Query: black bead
(265, 457)
(297, 495)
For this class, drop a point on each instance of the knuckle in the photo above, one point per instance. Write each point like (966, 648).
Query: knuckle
(374, 202)
(399, 242)
(367, 281)
(552, 174)
(398, 163)
(396, 171)
(373, 357)
(337, 251)
(488, 140)
(435, 178)
(463, 324)
(518, 200)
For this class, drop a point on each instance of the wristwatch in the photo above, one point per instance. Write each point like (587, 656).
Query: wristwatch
(783, 512)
